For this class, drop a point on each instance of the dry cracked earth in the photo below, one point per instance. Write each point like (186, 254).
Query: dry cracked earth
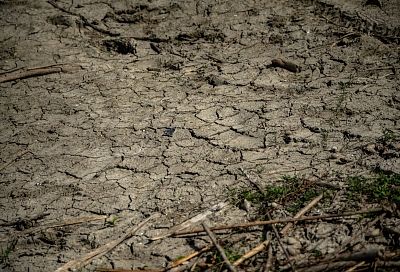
(162, 106)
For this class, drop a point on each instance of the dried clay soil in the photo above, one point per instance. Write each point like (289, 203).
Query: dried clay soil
(165, 106)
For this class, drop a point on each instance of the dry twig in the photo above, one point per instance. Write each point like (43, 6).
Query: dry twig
(359, 233)
(353, 268)
(192, 221)
(345, 36)
(37, 71)
(334, 266)
(366, 255)
(219, 248)
(190, 256)
(276, 221)
(260, 247)
(280, 243)
(264, 244)
(302, 212)
(86, 259)
(252, 252)
(268, 263)
(383, 68)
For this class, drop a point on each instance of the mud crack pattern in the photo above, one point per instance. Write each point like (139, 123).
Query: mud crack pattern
(170, 126)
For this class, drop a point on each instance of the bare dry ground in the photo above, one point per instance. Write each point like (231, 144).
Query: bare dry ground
(171, 107)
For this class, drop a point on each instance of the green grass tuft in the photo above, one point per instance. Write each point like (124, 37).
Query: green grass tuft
(384, 186)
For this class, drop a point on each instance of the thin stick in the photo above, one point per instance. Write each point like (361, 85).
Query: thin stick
(280, 243)
(276, 221)
(366, 255)
(37, 71)
(10, 71)
(351, 269)
(268, 263)
(194, 220)
(302, 212)
(252, 252)
(86, 259)
(334, 266)
(195, 264)
(387, 263)
(260, 247)
(190, 256)
(363, 230)
(29, 73)
(219, 248)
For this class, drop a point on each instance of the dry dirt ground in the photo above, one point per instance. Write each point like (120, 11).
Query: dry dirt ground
(167, 106)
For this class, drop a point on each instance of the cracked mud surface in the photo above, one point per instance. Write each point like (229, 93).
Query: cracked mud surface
(165, 116)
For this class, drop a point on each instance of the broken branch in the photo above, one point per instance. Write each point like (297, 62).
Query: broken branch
(219, 248)
(280, 243)
(302, 212)
(32, 72)
(86, 259)
(252, 252)
(276, 221)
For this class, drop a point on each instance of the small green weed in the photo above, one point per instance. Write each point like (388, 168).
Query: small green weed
(5, 254)
(112, 221)
(388, 136)
(305, 197)
(274, 193)
(292, 180)
(384, 186)
(230, 253)
(288, 185)
(271, 193)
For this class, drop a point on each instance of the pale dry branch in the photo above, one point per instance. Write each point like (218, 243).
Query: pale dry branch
(37, 71)
(86, 259)
(302, 212)
(192, 221)
(277, 221)
(252, 252)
